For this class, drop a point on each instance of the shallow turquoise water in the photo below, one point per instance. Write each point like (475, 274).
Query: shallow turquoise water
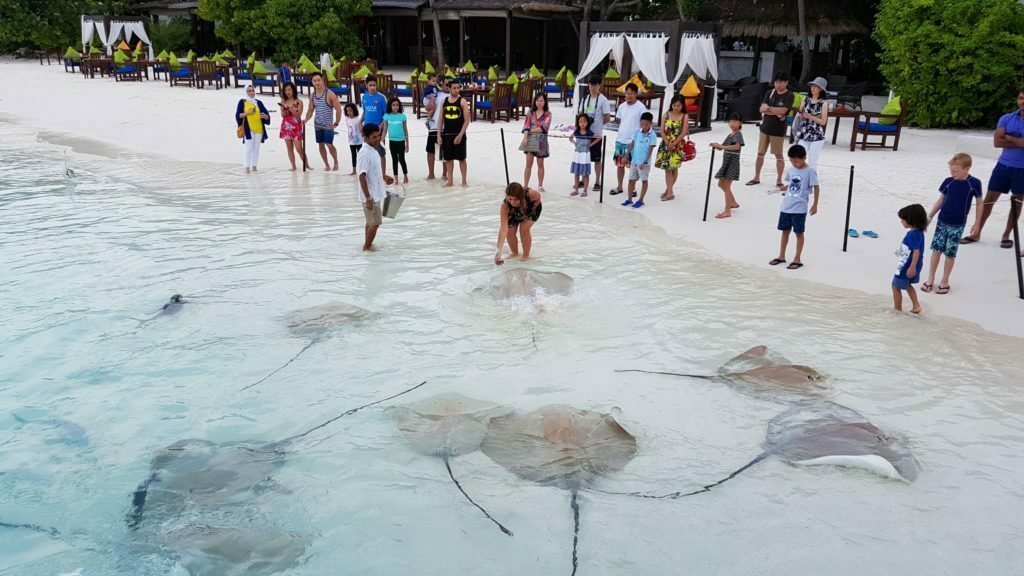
(83, 260)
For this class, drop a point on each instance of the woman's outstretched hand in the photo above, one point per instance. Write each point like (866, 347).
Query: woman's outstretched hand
(498, 259)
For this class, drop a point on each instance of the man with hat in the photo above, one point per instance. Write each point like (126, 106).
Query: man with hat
(774, 109)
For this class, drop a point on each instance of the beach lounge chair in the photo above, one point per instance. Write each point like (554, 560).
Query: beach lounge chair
(877, 124)
(242, 74)
(184, 75)
(557, 90)
(342, 88)
(70, 64)
(501, 101)
(524, 97)
(265, 80)
(127, 72)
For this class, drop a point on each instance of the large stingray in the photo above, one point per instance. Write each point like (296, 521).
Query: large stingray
(526, 283)
(762, 374)
(826, 433)
(449, 425)
(316, 323)
(560, 446)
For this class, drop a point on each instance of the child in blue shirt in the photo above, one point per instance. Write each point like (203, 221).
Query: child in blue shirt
(953, 206)
(908, 270)
(801, 179)
(395, 128)
(639, 154)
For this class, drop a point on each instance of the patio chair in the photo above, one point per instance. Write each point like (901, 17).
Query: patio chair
(405, 92)
(207, 73)
(417, 99)
(242, 74)
(559, 90)
(71, 63)
(264, 80)
(524, 97)
(868, 124)
(386, 85)
(499, 102)
(184, 75)
(342, 88)
(747, 102)
(851, 97)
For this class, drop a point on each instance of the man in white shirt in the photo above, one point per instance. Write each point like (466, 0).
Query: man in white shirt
(599, 110)
(628, 115)
(372, 181)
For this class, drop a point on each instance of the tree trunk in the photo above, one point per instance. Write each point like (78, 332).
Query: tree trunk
(805, 70)
(679, 7)
(438, 42)
(587, 10)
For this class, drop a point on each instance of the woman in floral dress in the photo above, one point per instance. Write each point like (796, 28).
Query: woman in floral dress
(291, 122)
(675, 127)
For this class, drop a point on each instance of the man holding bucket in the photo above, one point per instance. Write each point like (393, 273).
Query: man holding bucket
(372, 180)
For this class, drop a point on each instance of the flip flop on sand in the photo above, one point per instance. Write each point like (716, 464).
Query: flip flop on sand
(870, 234)
(927, 287)
(853, 233)
(967, 240)
(753, 182)
(776, 262)
(942, 290)
(1006, 244)
(794, 266)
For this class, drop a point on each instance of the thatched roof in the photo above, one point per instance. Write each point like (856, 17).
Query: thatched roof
(529, 7)
(774, 18)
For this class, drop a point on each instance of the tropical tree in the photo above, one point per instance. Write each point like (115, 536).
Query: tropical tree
(289, 27)
(956, 62)
(438, 41)
(805, 42)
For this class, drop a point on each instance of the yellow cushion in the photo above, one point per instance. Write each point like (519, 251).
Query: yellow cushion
(308, 67)
(492, 74)
(138, 46)
(635, 79)
(534, 73)
(72, 53)
(570, 78)
(690, 89)
(119, 57)
(173, 62)
(611, 73)
(330, 74)
(123, 46)
(560, 75)
(259, 68)
(468, 66)
(449, 73)
(429, 68)
(893, 107)
(362, 72)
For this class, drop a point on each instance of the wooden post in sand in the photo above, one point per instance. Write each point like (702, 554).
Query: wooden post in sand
(604, 151)
(504, 155)
(1014, 212)
(707, 193)
(849, 200)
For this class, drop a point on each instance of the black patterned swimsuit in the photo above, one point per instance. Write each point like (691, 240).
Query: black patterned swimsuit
(517, 216)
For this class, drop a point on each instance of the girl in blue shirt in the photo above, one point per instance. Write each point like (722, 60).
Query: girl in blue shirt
(908, 270)
(395, 128)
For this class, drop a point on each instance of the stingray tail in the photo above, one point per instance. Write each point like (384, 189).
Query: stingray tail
(353, 411)
(706, 488)
(575, 530)
(134, 517)
(33, 527)
(703, 376)
(281, 367)
(451, 475)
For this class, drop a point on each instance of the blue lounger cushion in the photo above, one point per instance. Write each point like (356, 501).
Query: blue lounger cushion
(340, 90)
(876, 127)
(264, 82)
(243, 75)
(485, 105)
(403, 92)
(126, 69)
(552, 88)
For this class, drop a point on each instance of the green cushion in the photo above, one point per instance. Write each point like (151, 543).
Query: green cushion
(219, 59)
(172, 60)
(72, 53)
(570, 78)
(94, 50)
(492, 74)
(414, 76)
(512, 79)
(119, 57)
(561, 73)
(611, 73)
(893, 107)
(362, 72)
(251, 60)
(191, 56)
(534, 73)
(329, 72)
(468, 66)
(227, 54)
(450, 74)
(429, 68)
(162, 56)
(308, 67)
(259, 68)
(798, 100)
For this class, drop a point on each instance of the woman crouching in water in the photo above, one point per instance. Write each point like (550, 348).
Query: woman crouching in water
(519, 212)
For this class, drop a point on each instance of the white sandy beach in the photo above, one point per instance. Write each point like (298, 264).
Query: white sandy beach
(152, 119)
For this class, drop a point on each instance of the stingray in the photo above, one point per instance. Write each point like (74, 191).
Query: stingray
(448, 425)
(825, 433)
(316, 323)
(525, 283)
(172, 307)
(560, 446)
(218, 482)
(764, 374)
(62, 431)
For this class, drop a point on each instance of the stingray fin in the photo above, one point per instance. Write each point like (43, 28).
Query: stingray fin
(134, 517)
(447, 464)
(706, 488)
(281, 367)
(33, 527)
(702, 376)
(351, 411)
(575, 530)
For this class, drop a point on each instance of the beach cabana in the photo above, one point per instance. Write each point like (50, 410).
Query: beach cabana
(111, 31)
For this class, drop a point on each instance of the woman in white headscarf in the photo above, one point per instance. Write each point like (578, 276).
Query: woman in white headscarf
(252, 118)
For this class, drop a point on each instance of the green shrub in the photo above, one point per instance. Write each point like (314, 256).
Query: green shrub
(955, 62)
(174, 35)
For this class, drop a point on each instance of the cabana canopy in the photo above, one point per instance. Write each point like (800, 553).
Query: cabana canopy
(92, 25)
(774, 18)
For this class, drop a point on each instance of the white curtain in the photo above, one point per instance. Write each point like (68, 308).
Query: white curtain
(101, 31)
(697, 54)
(600, 46)
(325, 61)
(649, 55)
(87, 30)
(115, 32)
(139, 29)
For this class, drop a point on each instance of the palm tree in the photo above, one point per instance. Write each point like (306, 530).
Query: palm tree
(805, 70)
(438, 44)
